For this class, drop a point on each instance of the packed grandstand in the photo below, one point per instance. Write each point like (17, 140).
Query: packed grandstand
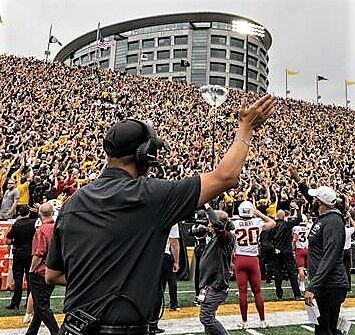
(53, 118)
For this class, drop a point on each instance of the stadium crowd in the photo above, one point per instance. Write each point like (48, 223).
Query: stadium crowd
(53, 118)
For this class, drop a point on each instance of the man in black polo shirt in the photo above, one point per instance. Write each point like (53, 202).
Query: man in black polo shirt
(20, 236)
(281, 236)
(110, 235)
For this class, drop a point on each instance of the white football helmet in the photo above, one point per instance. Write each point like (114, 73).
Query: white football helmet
(246, 209)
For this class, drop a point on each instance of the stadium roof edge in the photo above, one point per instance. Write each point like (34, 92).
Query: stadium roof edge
(122, 27)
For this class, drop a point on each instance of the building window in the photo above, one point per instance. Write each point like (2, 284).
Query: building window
(133, 45)
(179, 40)
(147, 69)
(164, 54)
(105, 52)
(252, 74)
(76, 61)
(162, 68)
(132, 59)
(147, 56)
(218, 67)
(252, 87)
(180, 79)
(178, 68)
(216, 39)
(262, 90)
(92, 55)
(218, 53)
(252, 61)
(237, 43)
(238, 56)
(180, 53)
(263, 78)
(214, 80)
(104, 64)
(235, 69)
(131, 70)
(236, 83)
(85, 58)
(252, 48)
(263, 52)
(262, 65)
(148, 43)
(163, 41)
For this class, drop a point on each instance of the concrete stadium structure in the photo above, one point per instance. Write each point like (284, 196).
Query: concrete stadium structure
(162, 46)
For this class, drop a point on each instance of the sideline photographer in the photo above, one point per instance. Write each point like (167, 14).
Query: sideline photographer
(199, 231)
(110, 235)
(215, 267)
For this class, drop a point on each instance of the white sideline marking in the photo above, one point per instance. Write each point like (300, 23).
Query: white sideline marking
(253, 332)
(308, 328)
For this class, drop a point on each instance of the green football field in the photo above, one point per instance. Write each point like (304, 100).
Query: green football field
(185, 296)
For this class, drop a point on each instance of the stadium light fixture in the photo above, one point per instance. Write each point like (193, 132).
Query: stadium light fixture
(247, 29)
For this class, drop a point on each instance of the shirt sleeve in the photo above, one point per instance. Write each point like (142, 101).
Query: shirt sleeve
(174, 231)
(173, 201)
(332, 246)
(54, 258)
(39, 244)
(11, 233)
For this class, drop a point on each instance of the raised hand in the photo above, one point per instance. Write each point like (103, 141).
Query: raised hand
(255, 115)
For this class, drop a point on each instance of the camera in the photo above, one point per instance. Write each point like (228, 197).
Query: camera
(199, 223)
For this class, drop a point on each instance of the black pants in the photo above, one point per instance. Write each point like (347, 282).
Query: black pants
(41, 293)
(288, 260)
(198, 252)
(347, 264)
(329, 302)
(20, 266)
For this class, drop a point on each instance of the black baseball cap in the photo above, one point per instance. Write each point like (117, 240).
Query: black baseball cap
(123, 138)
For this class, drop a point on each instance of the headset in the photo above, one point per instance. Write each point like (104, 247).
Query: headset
(146, 153)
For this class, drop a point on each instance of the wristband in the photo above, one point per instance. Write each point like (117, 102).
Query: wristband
(242, 140)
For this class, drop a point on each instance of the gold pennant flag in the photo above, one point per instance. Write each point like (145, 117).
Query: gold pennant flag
(291, 72)
(350, 82)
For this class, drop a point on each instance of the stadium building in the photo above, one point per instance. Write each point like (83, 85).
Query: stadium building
(198, 48)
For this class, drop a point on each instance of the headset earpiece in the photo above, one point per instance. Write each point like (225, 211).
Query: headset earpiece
(146, 153)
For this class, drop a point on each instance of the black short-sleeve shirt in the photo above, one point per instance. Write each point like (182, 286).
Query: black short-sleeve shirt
(112, 233)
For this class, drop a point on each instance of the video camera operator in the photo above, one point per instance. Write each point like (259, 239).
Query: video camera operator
(199, 231)
(215, 267)
(110, 235)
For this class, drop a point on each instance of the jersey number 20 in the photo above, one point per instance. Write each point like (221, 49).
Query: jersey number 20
(246, 237)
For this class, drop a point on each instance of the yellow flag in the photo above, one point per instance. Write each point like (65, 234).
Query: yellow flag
(350, 82)
(291, 72)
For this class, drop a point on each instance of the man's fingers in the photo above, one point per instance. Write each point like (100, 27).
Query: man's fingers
(243, 106)
(269, 102)
(261, 101)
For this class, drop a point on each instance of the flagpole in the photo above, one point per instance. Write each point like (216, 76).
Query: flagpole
(346, 95)
(317, 89)
(286, 84)
(47, 52)
(97, 45)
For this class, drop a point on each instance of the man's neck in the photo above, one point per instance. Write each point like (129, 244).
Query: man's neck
(117, 164)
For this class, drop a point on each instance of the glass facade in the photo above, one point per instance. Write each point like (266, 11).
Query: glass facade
(218, 67)
(214, 80)
(213, 53)
(218, 53)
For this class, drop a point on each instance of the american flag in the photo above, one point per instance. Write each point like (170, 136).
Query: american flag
(102, 44)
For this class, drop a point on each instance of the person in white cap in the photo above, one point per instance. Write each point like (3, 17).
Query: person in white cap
(328, 280)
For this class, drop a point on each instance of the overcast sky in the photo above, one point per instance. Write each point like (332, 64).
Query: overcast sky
(309, 36)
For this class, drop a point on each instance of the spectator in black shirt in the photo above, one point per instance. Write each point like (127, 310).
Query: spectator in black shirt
(20, 236)
(110, 235)
(281, 236)
(215, 266)
(328, 280)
